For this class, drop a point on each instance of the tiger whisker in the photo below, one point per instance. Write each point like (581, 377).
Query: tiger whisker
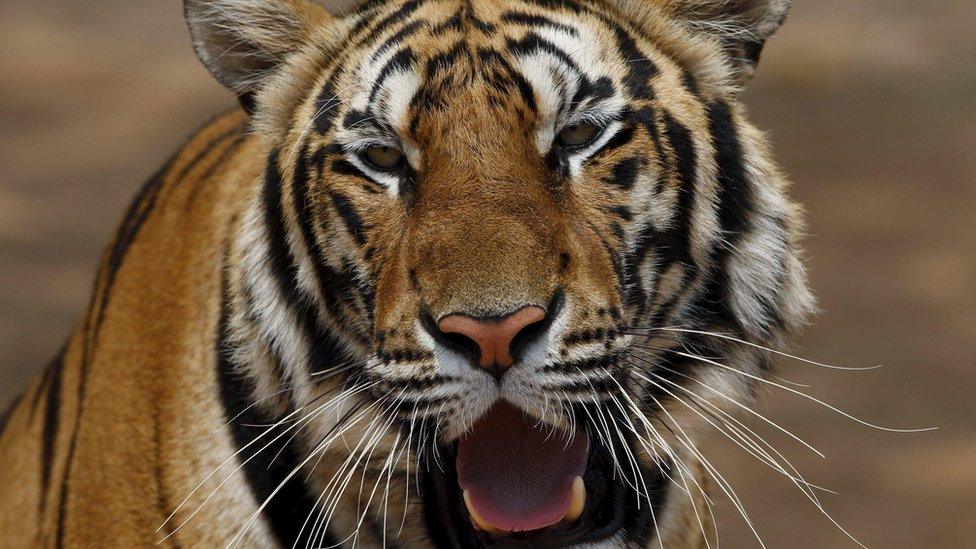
(320, 449)
(723, 484)
(650, 453)
(406, 483)
(696, 348)
(298, 425)
(209, 476)
(806, 396)
(340, 479)
(631, 459)
(287, 389)
(805, 487)
(743, 431)
(694, 508)
(290, 439)
(744, 442)
(375, 442)
(374, 439)
(756, 346)
(346, 422)
(738, 404)
(386, 491)
(238, 538)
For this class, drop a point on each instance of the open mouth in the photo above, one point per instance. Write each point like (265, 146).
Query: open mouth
(513, 482)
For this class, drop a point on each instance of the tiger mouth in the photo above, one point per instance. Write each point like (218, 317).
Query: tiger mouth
(552, 498)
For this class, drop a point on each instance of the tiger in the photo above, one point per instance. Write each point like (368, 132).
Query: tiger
(453, 273)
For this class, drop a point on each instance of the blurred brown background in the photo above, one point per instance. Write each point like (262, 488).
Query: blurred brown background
(872, 109)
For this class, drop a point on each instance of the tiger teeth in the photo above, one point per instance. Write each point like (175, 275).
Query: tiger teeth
(578, 502)
(478, 522)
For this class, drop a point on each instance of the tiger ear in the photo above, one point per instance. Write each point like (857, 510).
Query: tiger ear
(242, 42)
(742, 26)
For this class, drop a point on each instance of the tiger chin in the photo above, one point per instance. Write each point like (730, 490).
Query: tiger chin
(455, 274)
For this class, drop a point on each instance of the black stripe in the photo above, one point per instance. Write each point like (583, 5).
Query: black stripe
(162, 498)
(446, 60)
(268, 469)
(367, 13)
(618, 267)
(342, 166)
(624, 173)
(640, 69)
(282, 263)
(646, 240)
(623, 212)
(354, 224)
(398, 37)
(277, 370)
(690, 84)
(143, 204)
(649, 236)
(736, 206)
(336, 287)
(5, 416)
(42, 387)
(676, 241)
(452, 23)
(533, 20)
(735, 193)
(570, 5)
(205, 176)
(646, 118)
(673, 244)
(484, 27)
(507, 75)
(600, 89)
(194, 162)
(202, 153)
(324, 346)
(325, 105)
(622, 138)
(401, 60)
(356, 117)
(532, 43)
(398, 16)
(52, 409)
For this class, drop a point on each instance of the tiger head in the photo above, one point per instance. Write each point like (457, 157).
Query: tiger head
(514, 253)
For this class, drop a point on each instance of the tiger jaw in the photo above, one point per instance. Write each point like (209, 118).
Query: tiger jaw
(582, 495)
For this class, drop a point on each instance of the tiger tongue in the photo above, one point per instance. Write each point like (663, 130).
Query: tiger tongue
(517, 474)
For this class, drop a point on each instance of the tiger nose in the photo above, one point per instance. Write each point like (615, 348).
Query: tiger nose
(494, 337)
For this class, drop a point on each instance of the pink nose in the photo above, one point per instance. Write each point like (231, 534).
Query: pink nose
(494, 336)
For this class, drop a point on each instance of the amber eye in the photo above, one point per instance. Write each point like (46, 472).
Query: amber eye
(383, 158)
(578, 135)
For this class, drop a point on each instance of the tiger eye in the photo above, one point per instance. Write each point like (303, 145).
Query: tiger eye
(383, 158)
(578, 134)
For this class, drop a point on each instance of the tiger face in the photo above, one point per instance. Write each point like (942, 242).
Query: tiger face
(540, 235)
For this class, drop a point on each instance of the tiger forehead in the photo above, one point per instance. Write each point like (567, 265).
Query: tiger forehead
(502, 56)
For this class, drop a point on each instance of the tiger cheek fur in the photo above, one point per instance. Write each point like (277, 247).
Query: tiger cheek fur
(449, 223)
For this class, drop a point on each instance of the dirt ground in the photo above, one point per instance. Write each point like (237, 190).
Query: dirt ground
(872, 109)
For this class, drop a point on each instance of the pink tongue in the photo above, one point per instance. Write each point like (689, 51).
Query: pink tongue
(519, 474)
